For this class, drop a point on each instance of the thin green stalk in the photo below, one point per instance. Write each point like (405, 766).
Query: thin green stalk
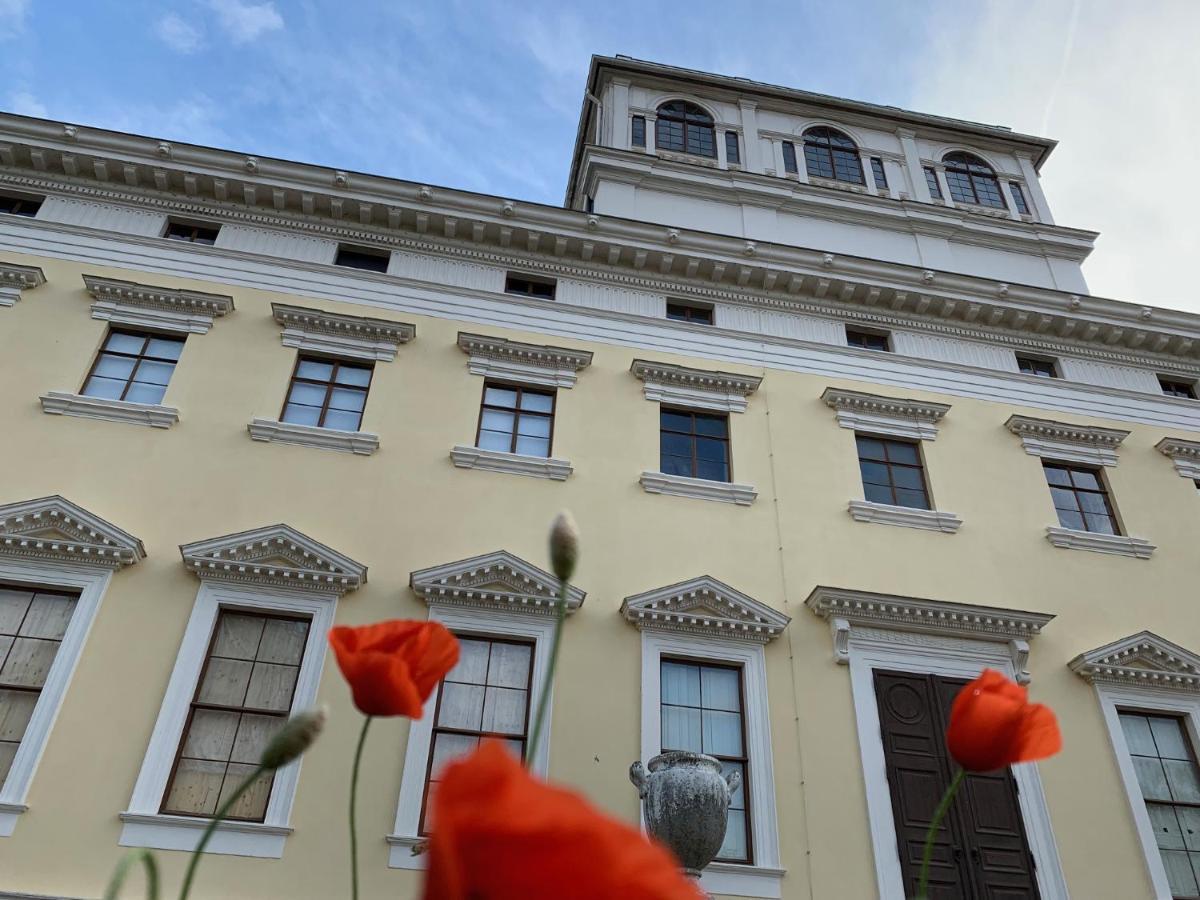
(146, 858)
(938, 815)
(222, 812)
(362, 739)
(544, 698)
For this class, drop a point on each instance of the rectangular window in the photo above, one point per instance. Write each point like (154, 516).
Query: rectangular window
(694, 444)
(192, 233)
(1166, 770)
(362, 258)
(685, 312)
(243, 697)
(1033, 365)
(485, 695)
(789, 158)
(878, 172)
(732, 155)
(1173, 387)
(327, 393)
(32, 624)
(133, 366)
(867, 340)
(638, 133)
(892, 472)
(1080, 498)
(1018, 196)
(529, 285)
(20, 206)
(514, 419)
(931, 179)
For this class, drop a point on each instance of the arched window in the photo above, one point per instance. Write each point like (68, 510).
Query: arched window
(830, 154)
(685, 128)
(972, 180)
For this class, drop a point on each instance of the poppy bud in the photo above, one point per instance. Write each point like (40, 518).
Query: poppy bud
(296, 736)
(564, 545)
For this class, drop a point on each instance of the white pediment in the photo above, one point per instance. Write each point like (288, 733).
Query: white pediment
(707, 607)
(52, 528)
(1140, 659)
(497, 580)
(274, 556)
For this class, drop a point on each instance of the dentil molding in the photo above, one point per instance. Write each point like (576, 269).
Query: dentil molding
(1072, 443)
(274, 556)
(540, 364)
(494, 581)
(695, 388)
(876, 414)
(1143, 659)
(707, 607)
(54, 528)
(145, 306)
(1185, 455)
(14, 279)
(338, 334)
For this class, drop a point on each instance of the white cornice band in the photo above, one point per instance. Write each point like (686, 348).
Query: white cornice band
(339, 334)
(540, 364)
(14, 279)
(1073, 443)
(143, 305)
(875, 414)
(695, 388)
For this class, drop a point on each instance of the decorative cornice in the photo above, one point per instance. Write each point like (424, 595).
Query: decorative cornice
(339, 334)
(1061, 440)
(64, 403)
(698, 488)
(887, 514)
(274, 556)
(698, 388)
(363, 443)
(144, 305)
(465, 457)
(915, 419)
(55, 529)
(1143, 659)
(1115, 544)
(1185, 455)
(707, 607)
(14, 279)
(495, 357)
(494, 581)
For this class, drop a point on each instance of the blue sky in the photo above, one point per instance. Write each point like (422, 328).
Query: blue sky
(485, 95)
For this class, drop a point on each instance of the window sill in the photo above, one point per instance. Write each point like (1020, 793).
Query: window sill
(513, 463)
(1116, 544)
(362, 442)
(886, 514)
(698, 488)
(400, 852)
(743, 880)
(9, 813)
(163, 832)
(62, 403)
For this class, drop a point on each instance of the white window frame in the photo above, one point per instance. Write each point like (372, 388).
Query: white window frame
(764, 877)
(485, 623)
(144, 825)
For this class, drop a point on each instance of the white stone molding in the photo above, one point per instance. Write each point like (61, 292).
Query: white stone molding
(873, 414)
(1116, 544)
(363, 443)
(706, 607)
(698, 488)
(14, 279)
(466, 457)
(1185, 455)
(1071, 443)
(906, 516)
(695, 388)
(957, 640)
(65, 403)
(275, 556)
(539, 364)
(55, 530)
(145, 306)
(491, 581)
(337, 334)
(1143, 659)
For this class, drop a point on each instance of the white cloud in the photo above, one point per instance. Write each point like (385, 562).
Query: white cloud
(245, 21)
(24, 103)
(178, 34)
(12, 17)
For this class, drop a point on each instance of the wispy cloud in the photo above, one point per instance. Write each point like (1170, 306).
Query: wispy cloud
(12, 17)
(244, 22)
(24, 103)
(178, 34)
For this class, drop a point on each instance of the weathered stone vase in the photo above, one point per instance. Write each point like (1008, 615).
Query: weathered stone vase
(686, 802)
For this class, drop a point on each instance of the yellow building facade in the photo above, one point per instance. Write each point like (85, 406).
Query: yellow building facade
(820, 476)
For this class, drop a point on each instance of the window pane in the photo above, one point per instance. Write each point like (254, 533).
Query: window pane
(677, 465)
(510, 665)
(1168, 738)
(462, 706)
(472, 667)
(735, 844)
(869, 448)
(681, 728)
(722, 733)
(537, 402)
(738, 799)
(210, 734)
(906, 477)
(493, 420)
(301, 415)
(13, 606)
(151, 372)
(1179, 873)
(903, 453)
(164, 348)
(494, 396)
(283, 641)
(495, 440)
(878, 493)
(1189, 825)
(355, 375)
(1068, 519)
(253, 735)
(347, 399)
(124, 343)
(675, 444)
(316, 371)
(238, 636)
(504, 710)
(225, 681)
(104, 387)
(675, 421)
(15, 709)
(721, 688)
(253, 803)
(911, 499)
(1064, 498)
(342, 421)
(8, 752)
(1138, 735)
(531, 446)
(1152, 779)
(145, 393)
(28, 662)
(1182, 780)
(195, 787)
(680, 684)
(711, 449)
(48, 616)
(713, 426)
(711, 471)
(1166, 826)
(110, 366)
(1100, 524)
(1085, 479)
(534, 426)
(307, 394)
(449, 747)
(271, 687)
(1055, 475)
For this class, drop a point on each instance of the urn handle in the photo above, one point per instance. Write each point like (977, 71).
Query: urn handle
(637, 775)
(733, 781)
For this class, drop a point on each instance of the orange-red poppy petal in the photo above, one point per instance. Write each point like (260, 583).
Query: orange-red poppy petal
(393, 667)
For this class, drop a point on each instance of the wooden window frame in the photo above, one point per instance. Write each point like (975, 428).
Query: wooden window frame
(693, 434)
(523, 285)
(879, 173)
(337, 364)
(1019, 199)
(852, 333)
(683, 311)
(820, 140)
(1029, 361)
(733, 152)
(362, 253)
(692, 114)
(961, 163)
(1103, 492)
(887, 462)
(191, 232)
(790, 164)
(931, 181)
(19, 204)
(637, 132)
(139, 357)
(1177, 387)
(517, 412)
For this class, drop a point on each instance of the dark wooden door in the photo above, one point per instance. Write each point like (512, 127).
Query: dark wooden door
(981, 852)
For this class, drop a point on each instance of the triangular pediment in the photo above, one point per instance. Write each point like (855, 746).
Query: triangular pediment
(497, 580)
(53, 528)
(705, 606)
(1141, 659)
(277, 556)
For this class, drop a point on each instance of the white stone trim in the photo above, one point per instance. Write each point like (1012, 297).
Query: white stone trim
(875, 414)
(706, 607)
(14, 279)
(144, 306)
(363, 443)
(494, 622)
(540, 364)
(493, 581)
(694, 388)
(1185, 455)
(1140, 660)
(1118, 544)
(276, 556)
(143, 824)
(466, 457)
(338, 334)
(65, 403)
(55, 530)
(697, 488)
(1063, 441)
(91, 581)
(763, 878)
(887, 514)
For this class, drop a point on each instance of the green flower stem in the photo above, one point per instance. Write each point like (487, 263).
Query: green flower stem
(222, 812)
(146, 858)
(938, 815)
(544, 698)
(362, 739)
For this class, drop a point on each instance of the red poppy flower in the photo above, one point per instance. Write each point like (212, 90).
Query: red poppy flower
(993, 725)
(501, 834)
(392, 667)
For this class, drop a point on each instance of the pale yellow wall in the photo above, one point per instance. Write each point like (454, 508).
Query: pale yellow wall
(407, 507)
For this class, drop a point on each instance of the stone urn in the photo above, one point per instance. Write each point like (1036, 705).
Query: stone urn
(686, 801)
